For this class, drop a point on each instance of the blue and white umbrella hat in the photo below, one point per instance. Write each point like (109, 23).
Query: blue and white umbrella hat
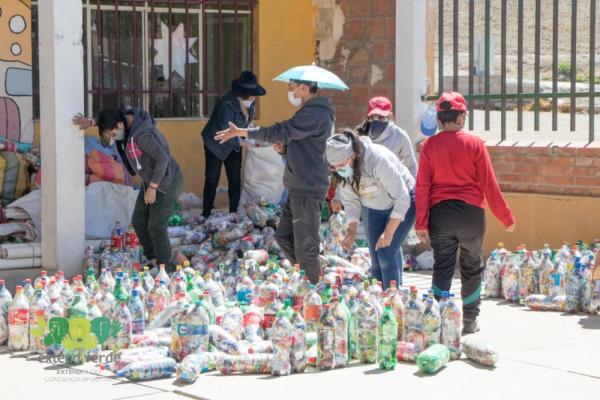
(311, 73)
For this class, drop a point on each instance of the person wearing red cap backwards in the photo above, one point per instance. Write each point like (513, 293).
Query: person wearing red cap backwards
(454, 180)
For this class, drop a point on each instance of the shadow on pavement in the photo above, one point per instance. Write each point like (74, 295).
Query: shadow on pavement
(476, 365)
(590, 322)
(377, 371)
(420, 374)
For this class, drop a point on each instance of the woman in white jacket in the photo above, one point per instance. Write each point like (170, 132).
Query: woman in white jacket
(375, 184)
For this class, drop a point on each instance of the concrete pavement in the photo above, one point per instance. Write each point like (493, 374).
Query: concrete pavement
(542, 356)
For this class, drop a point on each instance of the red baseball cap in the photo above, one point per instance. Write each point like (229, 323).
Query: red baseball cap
(380, 106)
(451, 101)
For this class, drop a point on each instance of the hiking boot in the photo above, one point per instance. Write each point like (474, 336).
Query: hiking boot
(470, 326)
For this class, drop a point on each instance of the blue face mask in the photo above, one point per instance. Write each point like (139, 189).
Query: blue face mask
(346, 172)
(376, 128)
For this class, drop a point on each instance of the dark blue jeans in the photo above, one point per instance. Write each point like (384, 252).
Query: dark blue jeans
(386, 263)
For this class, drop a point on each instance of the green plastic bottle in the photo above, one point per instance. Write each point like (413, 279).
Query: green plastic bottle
(434, 358)
(388, 339)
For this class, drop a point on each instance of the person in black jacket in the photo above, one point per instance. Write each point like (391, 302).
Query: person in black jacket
(145, 152)
(237, 106)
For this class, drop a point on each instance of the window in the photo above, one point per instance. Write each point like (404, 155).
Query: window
(174, 58)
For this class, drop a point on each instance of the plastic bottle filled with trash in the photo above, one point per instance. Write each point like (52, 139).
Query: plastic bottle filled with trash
(37, 314)
(528, 277)
(195, 364)
(353, 305)
(341, 313)
(367, 324)
(387, 339)
(197, 329)
(406, 352)
(510, 278)
(452, 328)
(545, 271)
(312, 309)
(55, 309)
(432, 359)
(326, 339)
(281, 337)
(395, 300)
(124, 337)
(298, 357)
(253, 322)
(574, 288)
(77, 309)
(136, 308)
(179, 331)
(413, 332)
(127, 356)
(432, 323)
(147, 370)
(479, 351)
(540, 302)
(492, 275)
(258, 363)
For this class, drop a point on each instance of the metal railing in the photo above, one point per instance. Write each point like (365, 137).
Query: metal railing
(483, 98)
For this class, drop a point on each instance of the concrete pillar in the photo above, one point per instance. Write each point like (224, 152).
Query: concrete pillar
(61, 96)
(411, 65)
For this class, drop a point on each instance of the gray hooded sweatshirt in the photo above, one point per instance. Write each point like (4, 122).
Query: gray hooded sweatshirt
(304, 135)
(385, 183)
(146, 151)
(398, 141)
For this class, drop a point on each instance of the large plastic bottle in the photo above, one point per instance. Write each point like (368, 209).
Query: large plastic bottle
(341, 313)
(387, 339)
(136, 308)
(479, 351)
(163, 276)
(78, 309)
(197, 329)
(574, 288)
(147, 370)
(546, 269)
(353, 305)
(281, 337)
(434, 358)
(432, 323)
(528, 277)
(298, 357)
(124, 337)
(257, 363)
(18, 321)
(179, 333)
(414, 321)
(595, 280)
(492, 275)
(55, 309)
(452, 328)
(326, 339)
(157, 300)
(178, 289)
(253, 322)
(5, 300)
(37, 310)
(194, 364)
(510, 278)
(120, 292)
(312, 309)
(367, 325)
(395, 300)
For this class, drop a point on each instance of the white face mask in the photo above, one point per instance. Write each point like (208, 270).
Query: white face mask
(294, 101)
(247, 103)
(120, 134)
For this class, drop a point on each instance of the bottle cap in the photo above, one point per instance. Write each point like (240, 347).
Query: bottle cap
(296, 308)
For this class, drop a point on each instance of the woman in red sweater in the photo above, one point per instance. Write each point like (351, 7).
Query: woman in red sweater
(455, 179)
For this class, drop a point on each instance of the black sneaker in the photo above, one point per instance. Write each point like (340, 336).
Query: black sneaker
(470, 326)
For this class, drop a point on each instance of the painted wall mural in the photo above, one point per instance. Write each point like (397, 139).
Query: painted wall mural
(16, 101)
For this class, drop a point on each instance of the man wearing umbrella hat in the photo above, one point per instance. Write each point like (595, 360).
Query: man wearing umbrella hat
(237, 106)
(302, 139)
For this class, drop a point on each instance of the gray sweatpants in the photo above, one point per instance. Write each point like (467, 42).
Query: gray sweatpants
(298, 233)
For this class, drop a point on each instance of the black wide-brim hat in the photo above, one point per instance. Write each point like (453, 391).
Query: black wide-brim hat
(247, 85)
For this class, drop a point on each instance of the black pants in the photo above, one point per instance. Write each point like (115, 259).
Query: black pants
(152, 220)
(455, 225)
(233, 169)
(298, 233)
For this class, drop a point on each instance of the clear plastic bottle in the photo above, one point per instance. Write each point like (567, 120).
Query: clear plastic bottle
(178, 289)
(546, 269)
(78, 309)
(443, 301)
(479, 351)
(395, 299)
(28, 289)
(353, 305)
(557, 280)
(163, 276)
(367, 325)
(281, 337)
(452, 328)
(37, 310)
(55, 309)
(157, 300)
(387, 339)
(147, 370)
(257, 363)
(493, 266)
(43, 280)
(510, 278)
(312, 309)
(326, 339)
(269, 314)
(124, 337)
(528, 277)
(216, 291)
(194, 364)
(298, 357)
(120, 292)
(574, 289)
(5, 301)
(341, 313)
(253, 322)
(432, 323)
(540, 302)
(414, 321)
(197, 329)
(136, 308)
(179, 333)
(434, 358)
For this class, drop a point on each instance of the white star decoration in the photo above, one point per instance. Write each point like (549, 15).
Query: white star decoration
(178, 50)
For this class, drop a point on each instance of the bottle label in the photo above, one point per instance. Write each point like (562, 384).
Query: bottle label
(116, 242)
(182, 329)
(311, 313)
(197, 329)
(268, 321)
(251, 318)
(18, 317)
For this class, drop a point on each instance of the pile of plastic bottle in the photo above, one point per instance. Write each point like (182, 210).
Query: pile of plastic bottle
(250, 313)
(567, 279)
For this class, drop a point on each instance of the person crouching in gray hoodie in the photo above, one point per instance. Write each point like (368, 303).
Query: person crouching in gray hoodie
(302, 140)
(145, 152)
(374, 183)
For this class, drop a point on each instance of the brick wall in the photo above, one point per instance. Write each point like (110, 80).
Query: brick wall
(570, 170)
(364, 55)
